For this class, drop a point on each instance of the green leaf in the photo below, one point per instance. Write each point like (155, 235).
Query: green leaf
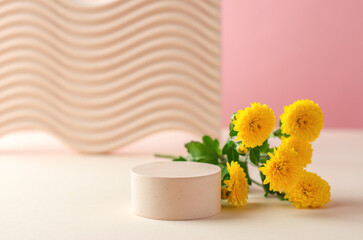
(233, 133)
(233, 117)
(179, 159)
(245, 169)
(278, 133)
(264, 158)
(280, 123)
(208, 151)
(255, 155)
(214, 144)
(264, 147)
(266, 187)
(281, 196)
(225, 148)
(230, 150)
(224, 174)
(231, 126)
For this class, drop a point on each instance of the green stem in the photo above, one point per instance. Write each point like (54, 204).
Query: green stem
(164, 156)
(255, 182)
(249, 162)
(264, 157)
(252, 164)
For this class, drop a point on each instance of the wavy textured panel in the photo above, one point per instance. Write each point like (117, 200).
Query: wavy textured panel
(101, 76)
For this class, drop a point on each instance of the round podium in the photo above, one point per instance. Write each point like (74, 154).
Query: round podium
(176, 190)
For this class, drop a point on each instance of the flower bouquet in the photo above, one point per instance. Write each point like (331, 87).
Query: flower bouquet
(281, 169)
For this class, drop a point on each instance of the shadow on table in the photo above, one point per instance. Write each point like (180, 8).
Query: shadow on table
(231, 212)
(337, 209)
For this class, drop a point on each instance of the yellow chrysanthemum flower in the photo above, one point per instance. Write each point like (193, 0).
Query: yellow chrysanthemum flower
(302, 119)
(310, 191)
(282, 170)
(237, 185)
(242, 149)
(303, 148)
(254, 124)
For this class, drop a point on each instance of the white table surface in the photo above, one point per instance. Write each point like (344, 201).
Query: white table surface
(50, 192)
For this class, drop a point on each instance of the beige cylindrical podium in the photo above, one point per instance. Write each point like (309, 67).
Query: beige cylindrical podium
(176, 190)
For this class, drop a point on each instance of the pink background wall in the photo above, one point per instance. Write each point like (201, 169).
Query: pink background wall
(275, 52)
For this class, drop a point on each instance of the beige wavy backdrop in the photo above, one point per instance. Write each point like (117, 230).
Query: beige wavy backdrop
(104, 75)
